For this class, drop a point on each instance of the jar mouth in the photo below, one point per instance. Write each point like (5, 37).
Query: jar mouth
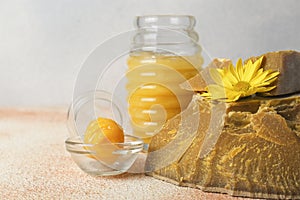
(186, 22)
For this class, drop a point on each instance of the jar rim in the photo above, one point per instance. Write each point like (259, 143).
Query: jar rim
(166, 15)
(186, 22)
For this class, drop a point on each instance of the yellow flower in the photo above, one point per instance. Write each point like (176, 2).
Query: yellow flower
(242, 81)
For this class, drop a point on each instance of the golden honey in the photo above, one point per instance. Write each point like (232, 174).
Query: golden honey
(154, 93)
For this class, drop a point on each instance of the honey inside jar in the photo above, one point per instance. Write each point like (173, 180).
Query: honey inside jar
(154, 94)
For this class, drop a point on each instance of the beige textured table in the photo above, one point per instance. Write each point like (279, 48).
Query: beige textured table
(35, 165)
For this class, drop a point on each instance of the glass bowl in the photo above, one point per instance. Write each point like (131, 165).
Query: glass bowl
(104, 159)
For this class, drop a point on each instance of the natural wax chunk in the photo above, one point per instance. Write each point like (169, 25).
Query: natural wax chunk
(288, 64)
(246, 148)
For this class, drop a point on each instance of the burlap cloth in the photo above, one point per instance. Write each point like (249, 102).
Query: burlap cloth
(35, 165)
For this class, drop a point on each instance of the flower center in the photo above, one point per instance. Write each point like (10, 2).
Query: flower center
(242, 86)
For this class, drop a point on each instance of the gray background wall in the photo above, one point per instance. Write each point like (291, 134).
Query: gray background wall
(43, 43)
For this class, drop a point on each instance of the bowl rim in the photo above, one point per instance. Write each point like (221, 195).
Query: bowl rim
(76, 142)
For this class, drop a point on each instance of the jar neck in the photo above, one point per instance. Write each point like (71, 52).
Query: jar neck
(162, 33)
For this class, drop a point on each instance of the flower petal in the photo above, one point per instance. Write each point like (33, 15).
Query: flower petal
(216, 76)
(233, 71)
(239, 69)
(216, 91)
(251, 68)
(265, 89)
(227, 83)
(257, 64)
(205, 94)
(271, 76)
(233, 96)
(230, 75)
(266, 83)
(259, 78)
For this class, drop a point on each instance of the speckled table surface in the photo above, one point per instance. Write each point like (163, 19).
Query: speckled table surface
(35, 165)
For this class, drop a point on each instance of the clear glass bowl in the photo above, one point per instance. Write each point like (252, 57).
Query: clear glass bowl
(104, 159)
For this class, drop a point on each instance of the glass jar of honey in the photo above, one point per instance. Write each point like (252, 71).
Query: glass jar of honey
(164, 53)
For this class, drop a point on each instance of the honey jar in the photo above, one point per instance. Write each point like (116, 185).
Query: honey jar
(164, 53)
